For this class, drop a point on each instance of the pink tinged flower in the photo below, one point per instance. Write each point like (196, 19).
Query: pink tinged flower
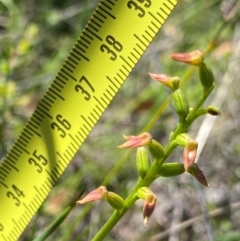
(148, 207)
(143, 139)
(189, 154)
(193, 58)
(195, 171)
(170, 82)
(95, 195)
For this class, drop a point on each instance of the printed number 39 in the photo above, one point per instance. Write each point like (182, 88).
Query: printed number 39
(139, 7)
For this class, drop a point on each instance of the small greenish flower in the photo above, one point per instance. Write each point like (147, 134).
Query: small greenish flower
(136, 141)
(95, 195)
(170, 82)
(192, 58)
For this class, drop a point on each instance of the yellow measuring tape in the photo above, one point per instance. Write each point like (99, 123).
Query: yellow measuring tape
(112, 42)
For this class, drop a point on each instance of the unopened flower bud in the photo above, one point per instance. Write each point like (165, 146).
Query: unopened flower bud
(213, 111)
(193, 58)
(115, 200)
(142, 161)
(206, 77)
(171, 169)
(156, 149)
(180, 104)
(182, 139)
(136, 141)
(170, 82)
(198, 174)
(95, 195)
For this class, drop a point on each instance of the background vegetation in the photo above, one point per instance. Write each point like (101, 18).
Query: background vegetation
(36, 37)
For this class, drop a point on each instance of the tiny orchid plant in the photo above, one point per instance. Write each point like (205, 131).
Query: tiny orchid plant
(151, 156)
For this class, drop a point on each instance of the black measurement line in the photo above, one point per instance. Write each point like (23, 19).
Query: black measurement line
(16, 154)
(71, 65)
(120, 77)
(77, 144)
(3, 184)
(125, 68)
(109, 93)
(72, 54)
(57, 171)
(28, 211)
(95, 35)
(62, 167)
(37, 118)
(46, 103)
(131, 60)
(53, 179)
(111, 2)
(60, 74)
(98, 109)
(93, 21)
(40, 106)
(109, 86)
(140, 40)
(76, 63)
(86, 121)
(148, 41)
(55, 175)
(82, 38)
(163, 10)
(154, 32)
(104, 4)
(81, 49)
(20, 146)
(82, 44)
(101, 14)
(50, 180)
(36, 203)
(156, 19)
(62, 158)
(112, 83)
(95, 117)
(99, 103)
(173, 4)
(105, 102)
(105, 11)
(4, 238)
(92, 122)
(70, 155)
(153, 23)
(54, 92)
(137, 52)
(80, 134)
(85, 34)
(17, 225)
(72, 150)
(90, 26)
(61, 80)
(78, 138)
(162, 18)
(125, 61)
(85, 134)
(149, 34)
(100, 20)
(48, 184)
(115, 78)
(107, 97)
(11, 166)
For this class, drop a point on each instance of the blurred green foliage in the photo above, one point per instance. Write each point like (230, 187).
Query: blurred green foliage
(36, 37)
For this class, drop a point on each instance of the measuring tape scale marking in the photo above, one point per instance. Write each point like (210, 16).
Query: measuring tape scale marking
(111, 44)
